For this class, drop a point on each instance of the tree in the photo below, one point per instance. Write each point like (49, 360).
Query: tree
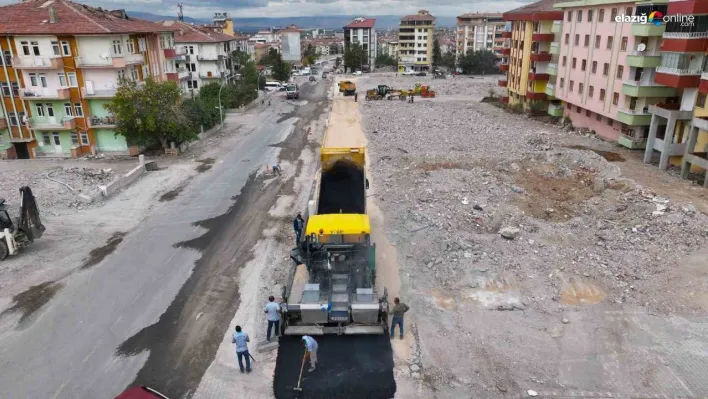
(383, 59)
(437, 55)
(354, 57)
(333, 48)
(448, 60)
(310, 55)
(150, 113)
(249, 75)
(477, 62)
(240, 58)
(271, 58)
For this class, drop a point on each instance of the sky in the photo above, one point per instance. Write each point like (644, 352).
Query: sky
(297, 8)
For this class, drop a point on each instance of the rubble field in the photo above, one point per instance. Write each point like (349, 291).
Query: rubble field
(503, 233)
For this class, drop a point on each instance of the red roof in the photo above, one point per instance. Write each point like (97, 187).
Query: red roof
(32, 17)
(361, 23)
(187, 33)
(539, 11)
(418, 17)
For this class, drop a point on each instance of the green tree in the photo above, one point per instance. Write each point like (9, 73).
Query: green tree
(240, 58)
(271, 58)
(437, 55)
(249, 74)
(150, 113)
(310, 54)
(333, 48)
(448, 60)
(354, 57)
(385, 60)
(477, 62)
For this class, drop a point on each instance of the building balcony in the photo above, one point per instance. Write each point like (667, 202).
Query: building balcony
(45, 94)
(532, 95)
(557, 27)
(684, 42)
(505, 50)
(631, 143)
(667, 111)
(541, 57)
(647, 30)
(644, 59)
(115, 62)
(502, 83)
(27, 62)
(637, 88)
(552, 69)
(555, 110)
(65, 123)
(555, 48)
(633, 117)
(106, 122)
(210, 57)
(3, 122)
(703, 84)
(211, 75)
(543, 77)
(506, 34)
(550, 89)
(123, 60)
(685, 35)
(98, 94)
(542, 37)
(169, 52)
(504, 67)
(677, 78)
(172, 76)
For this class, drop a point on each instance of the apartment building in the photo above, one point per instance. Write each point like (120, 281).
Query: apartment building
(290, 44)
(202, 55)
(527, 57)
(479, 31)
(62, 62)
(415, 42)
(362, 32)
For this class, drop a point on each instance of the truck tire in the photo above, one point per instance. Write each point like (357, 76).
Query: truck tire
(3, 250)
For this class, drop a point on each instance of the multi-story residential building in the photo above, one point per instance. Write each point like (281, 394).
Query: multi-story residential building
(223, 20)
(362, 32)
(478, 31)
(415, 41)
(203, 56)
(290, 44)
(262, 49)
(682, 69)
(527, 55)
(61, 63)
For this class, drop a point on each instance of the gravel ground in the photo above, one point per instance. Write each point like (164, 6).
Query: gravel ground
(489, 212)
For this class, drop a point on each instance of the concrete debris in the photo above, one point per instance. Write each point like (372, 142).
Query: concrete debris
(509, 232)
(565, 321)
(531, 392)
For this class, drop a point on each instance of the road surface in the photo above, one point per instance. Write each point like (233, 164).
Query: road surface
(154, 310)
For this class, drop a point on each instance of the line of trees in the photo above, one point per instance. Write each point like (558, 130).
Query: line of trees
(472, 62)
(280, 69)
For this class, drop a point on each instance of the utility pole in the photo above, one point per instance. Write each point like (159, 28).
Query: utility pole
(180, 14)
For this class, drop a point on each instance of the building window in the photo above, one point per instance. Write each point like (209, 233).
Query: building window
(62, 79)
(5, 88)
(590, 15)
(85, 139)
(602, 94)
(591, 91)
(628, 11)
(578, 109)
(55, 48)
(580, 88)
(615, 98)
(134, 74)
(570, 85)
(67, 109)
(12, 117)
(192, 84)
(117, 47)
(35, 48)
(71, 76)
(598, 117)
(74, 138)
(569, 16)
(598, 39)
(613, 14)
(567, 38)
(605, 69)
(121, 75)
(65, 48)
(588, 113)
(623, 45)
(162, 42)
(562, 83)
(601, 15)
(33, 79)
(43, 80)
(580, 16)
(594, 67)
(142, 46)
(620, 71)
(577, 39)
(78, 110)
(583, 65)
(40, 110)
(610, 41)
(568, 105)
(564, 62)
(609, 122)
(50, 109)
(190, 49)
(587, 40)
(46, 139)
(701, 100)
(25, 48)
(574, 62)
(130, 46)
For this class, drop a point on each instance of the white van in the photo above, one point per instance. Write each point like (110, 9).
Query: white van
(273, 86)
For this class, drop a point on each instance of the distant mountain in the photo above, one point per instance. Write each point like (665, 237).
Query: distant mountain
(325, 22)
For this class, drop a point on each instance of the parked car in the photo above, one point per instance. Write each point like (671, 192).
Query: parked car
(421, 73)
(357, 73)
(408, 73)
(313, 79)
(141, 392)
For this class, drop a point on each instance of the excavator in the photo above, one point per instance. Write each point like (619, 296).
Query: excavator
(25, 229)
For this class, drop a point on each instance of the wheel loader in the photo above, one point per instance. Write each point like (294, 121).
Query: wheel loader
(24, 230)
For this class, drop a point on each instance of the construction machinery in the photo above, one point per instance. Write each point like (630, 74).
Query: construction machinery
(347, 87)
(383, 91)
(425, 92)
(24, 230)
(331, 289)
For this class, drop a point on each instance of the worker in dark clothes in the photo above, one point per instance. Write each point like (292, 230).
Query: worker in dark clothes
(355, 96)
(298, 225)
(399, 309)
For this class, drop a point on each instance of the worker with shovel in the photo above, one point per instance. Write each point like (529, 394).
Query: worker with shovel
(311, 350)
(241, 340)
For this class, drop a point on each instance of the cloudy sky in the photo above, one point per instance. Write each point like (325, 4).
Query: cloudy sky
(294, 8)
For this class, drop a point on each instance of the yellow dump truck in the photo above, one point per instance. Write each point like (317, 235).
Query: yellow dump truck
(347, 87)
(331, 288)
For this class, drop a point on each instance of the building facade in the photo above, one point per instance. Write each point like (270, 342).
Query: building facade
(61, 64)
(478, 31)
(362, 31)
(415, 42)
(290, 44)
(527, 54)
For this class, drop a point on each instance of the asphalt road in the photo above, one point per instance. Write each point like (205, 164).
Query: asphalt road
(155, 310)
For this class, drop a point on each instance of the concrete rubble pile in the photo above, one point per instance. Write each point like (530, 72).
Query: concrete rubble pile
(470, 190)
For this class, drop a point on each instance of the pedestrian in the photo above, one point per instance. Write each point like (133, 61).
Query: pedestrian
(399, 309)
(355, 96)
(263, 101)
(311, 346)
(298, 224)
(272, 311)
(276, 169)
(269, 103)
(241, 340)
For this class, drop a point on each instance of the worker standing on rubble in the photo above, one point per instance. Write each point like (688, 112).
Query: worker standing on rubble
(272, 311)
(241, 340)
(399, 309)
(298, 225)
(311, 346)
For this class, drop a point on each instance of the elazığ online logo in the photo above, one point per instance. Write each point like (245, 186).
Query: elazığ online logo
(657, 18)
